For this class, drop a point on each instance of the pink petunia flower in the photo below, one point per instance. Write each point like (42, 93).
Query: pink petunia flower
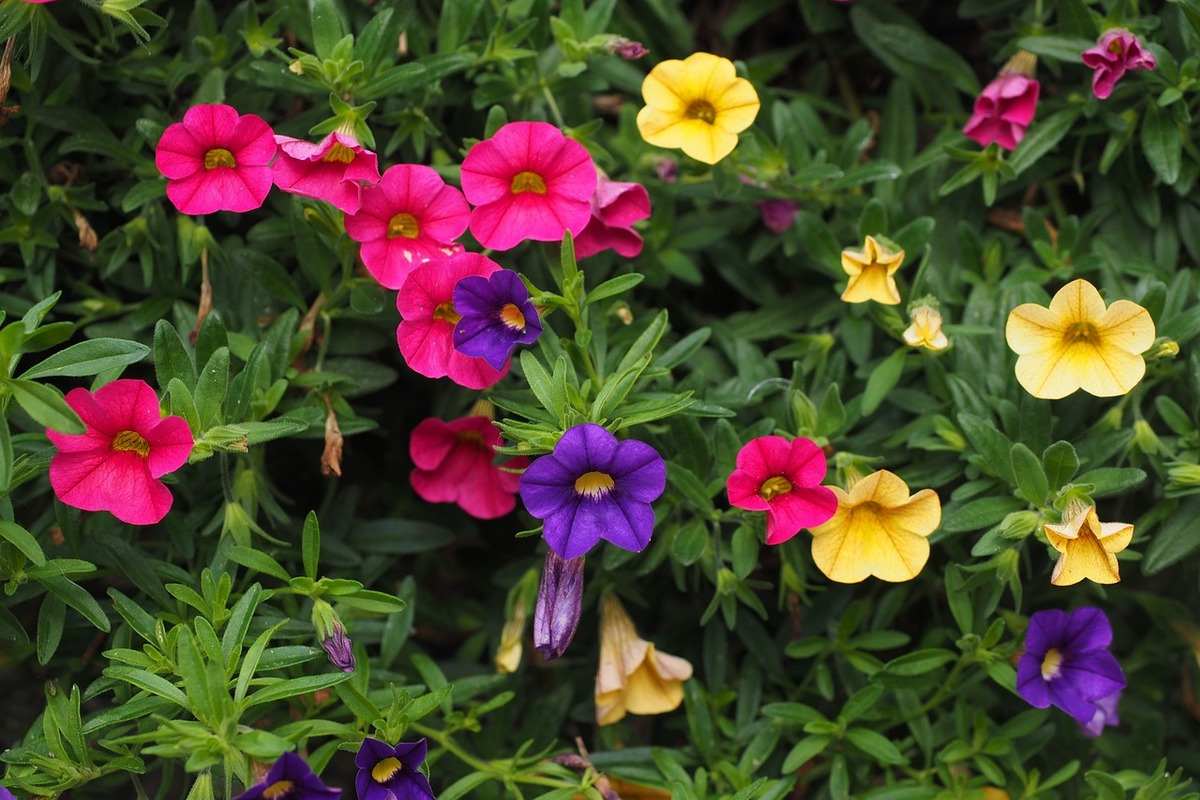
(778, 215)
(408, 218)
(455, 463)
(1003, 111)
(528, 181)
(428, 317)
(216, 160)
(1118, 51)
(116, 464)
(782, 478)
(334, 169)
(615, 207)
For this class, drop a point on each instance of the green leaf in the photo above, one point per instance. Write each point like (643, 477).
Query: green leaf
(1058, 48)
(1060, 463)
(171, 357)
(291, 687)
(88, 358)
(1111, 480)
(46, 405)
(77, 598)
(23, 540)
(918, 662)
(211, 387)
(1175, 540)
(51, 617)
(1042, 138)
(805, 750)
(876, 745)
(614, 286)
(311, 544)
(148, 681)
(258, 560)
(1031, 478)
(327, 26)
(979, 513)
(238, 624)
(251, 659)
(883, 379)
(1162, 143)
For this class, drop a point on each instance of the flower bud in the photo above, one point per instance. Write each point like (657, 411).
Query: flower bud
(1145, 439)
(559, 599)
(1184, 474)
(1163, 347)
(777, 215)
(332, 635)
(667, 170)
(626, 48)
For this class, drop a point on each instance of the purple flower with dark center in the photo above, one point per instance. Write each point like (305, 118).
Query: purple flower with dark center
(558, 605)
(594, 487)
(339, 649)
(777, 215)
(496, 316)
(289, 778)
(1067, 664)
(392, 773)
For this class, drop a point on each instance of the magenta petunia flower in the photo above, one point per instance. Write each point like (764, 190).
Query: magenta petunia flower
(334, 169)
(528, 181)
(290, 778)
(411, 216)
(455, 462)
(387, 772)
(1066, 664)
(216, 160)
(116, 464)
(594, 487)
(1118, 51)
(782, 478)
(556, 615)
(428, 317)
(778, 215)
(1003, 110)
(496, 316)
(615, 207)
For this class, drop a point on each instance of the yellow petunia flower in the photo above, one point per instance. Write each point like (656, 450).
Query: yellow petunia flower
(1088, 547)
(699, 105)
(633, 677)
(878, 529)
(871, 272)
(1077, 343)
(926, 330)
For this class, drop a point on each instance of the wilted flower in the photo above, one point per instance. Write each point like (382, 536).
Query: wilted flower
(496, 316)
(528, 181)
(454, 462)
(699, 105)
(1078, 343)
(871, 272)
(508, 654)
(633, 677)
(556, 614)
(1105, 715)
(1088, 546)
(216, 160)
(594, 487)
(1066, 663)
(879, 529)
(334, 169)
(290, 778)
(778, 215)
(115, 466)
(616, 206)
(1118, 51)
(627, 48)
(1006, 106)
(782, 478)
(387, 772)
(926, 330)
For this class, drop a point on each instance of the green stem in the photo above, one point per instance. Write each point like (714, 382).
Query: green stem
(444, 741)
(553, 106)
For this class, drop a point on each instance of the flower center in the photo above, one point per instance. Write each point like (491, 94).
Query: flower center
(528, 182)
(1115, 47)
(512, 317)
(701, 110)
(219, 157)
(446, 312)
(385, 770)
(471, 437)
(278, 790)
(131, 442)
(403, 225)
(773, 487)
(1084, 332)
(594, 485)
(339, 154)
(1051, 664)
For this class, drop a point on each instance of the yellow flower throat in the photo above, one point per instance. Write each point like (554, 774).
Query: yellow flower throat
(219, 157)
(278, 790)
(1082, 332)
(701, 110)
(594, 485)
(385, 770)
(131, 442)
(528, 182)
(405, 225)
(339, 154)
(773, 487)
(1051, 664)
(512, 317)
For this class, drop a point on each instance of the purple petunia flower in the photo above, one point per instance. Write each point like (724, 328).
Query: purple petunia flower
(496, 316)
(392, 773)
(290, 778)
(594, 487)
(1067, 664)
(5, 794)
(558, 605)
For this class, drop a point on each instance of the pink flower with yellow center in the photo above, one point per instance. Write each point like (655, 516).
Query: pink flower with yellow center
(334, 169)
(1117, 52)
(455, 463)
(782, 478)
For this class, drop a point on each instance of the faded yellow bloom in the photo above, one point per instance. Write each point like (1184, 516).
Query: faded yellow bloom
(1088, 547)
(926, 330)
(508, 654)
(871, 272)
(699, 105)
(878, 529)
(1078, 343)
(633, 677)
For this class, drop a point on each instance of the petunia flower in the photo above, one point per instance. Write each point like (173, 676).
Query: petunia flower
(409, 217)
(1078, 343)
(594, 487)
(428, 316)
(528, 181)
(871, 272)
(1118, 51)
(556, 615)
(1105, 716)
(387, 772)
(1006, 106)
(879, 530)
(334, 169)
(633, 677)
(778, 215)
(782, 478)
(926, 330)
(116, 464)
(290, 778)
(1088, 547)
(216, 160)
(1066, 663)
(496, 316)
(616, 206)
(699, 105)
(455, 463)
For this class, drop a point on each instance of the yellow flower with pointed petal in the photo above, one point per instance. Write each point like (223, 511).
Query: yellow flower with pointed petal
(633, 677)
(878, 529)
(699, 105)
(926, 330)
(508, 654)
(1088, 547)
(871, 272)
(1078, 343)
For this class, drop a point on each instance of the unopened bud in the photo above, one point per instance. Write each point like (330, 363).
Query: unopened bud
(1145, 439)
(559, 599)
(296, 68)
(1163, 347)
(627, 48)
(1019, 524)
(667, 170)
(1184, 474)
(339, 649)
